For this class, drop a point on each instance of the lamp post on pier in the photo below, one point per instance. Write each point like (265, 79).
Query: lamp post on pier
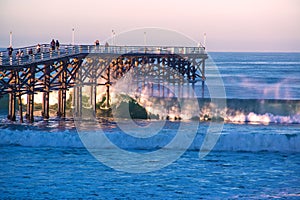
(145, 41)
(204, 40)
(113, 37)
(10, 38)
(145, 38)
(73, 36)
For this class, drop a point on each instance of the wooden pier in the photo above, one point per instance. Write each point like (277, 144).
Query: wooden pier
(45, 70)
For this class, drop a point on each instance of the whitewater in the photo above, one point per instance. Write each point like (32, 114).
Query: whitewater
(234, 137)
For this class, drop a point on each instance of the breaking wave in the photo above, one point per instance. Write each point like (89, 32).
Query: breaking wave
(230, 140)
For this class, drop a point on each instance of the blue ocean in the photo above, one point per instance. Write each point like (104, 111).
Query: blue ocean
(256, 156)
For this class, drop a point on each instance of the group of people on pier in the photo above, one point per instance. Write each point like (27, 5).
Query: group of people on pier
(54, 45)
(19, 53)
(97, 43)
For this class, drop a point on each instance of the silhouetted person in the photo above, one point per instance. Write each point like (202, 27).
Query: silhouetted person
(10, 51)
(52, 44)
(30, 52)
(106, 46)
(18, 54)
(57, 44)
(38, 48)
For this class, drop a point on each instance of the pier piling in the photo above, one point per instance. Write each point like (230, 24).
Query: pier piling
(62, 93)
(12, 107)
(30, 94)
(45, 103)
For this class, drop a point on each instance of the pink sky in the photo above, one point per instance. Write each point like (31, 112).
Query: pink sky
(230, 25)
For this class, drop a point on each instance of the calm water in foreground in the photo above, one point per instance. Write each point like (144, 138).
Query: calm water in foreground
(58, 173)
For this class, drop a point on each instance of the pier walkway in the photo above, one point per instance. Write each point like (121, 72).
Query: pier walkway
(31, 55)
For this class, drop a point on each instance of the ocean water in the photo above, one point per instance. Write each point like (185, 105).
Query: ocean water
(257, 155)
(64, 173)
(259, 75)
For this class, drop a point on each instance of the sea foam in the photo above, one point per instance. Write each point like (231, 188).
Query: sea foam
(228, 141)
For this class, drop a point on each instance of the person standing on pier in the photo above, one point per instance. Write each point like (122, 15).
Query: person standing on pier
(30, 54)
(38, 48)
(18, 54)
(97, 43)
(52, 45)
(57, 45)
(10, 51)
(106, 47)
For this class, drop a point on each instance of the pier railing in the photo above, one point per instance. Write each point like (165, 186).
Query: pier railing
(32, 54)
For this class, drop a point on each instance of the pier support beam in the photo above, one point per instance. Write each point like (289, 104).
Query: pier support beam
(30, 107)
(12, 107)
(20, 108)
(12, 98)
(203, 76)
(27, 104)
(107, 88)
(19, 95)
(78, 100)
(62, 101)
(77, 96)
(30, 95)
(93, 95)
(45, 103)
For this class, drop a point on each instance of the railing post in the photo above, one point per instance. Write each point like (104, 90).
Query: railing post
(10, 60)
(42, 56)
